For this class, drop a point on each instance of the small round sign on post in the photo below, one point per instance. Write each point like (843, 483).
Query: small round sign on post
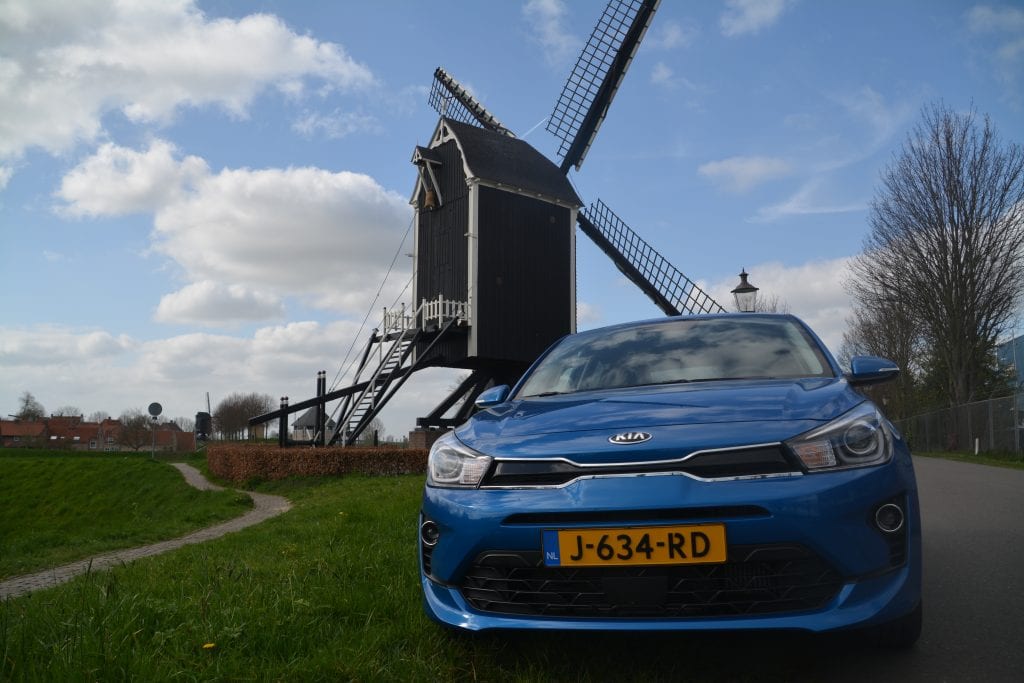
(154, 409)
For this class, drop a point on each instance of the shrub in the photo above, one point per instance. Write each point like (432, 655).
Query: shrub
(259, 462)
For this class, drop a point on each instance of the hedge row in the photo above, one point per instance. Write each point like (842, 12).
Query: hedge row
(246, 462)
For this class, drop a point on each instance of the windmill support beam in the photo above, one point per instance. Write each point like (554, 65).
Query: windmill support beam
(468, 389)
(627, 268)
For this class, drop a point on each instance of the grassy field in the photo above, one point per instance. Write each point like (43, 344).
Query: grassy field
(59, 507)
(329, 591)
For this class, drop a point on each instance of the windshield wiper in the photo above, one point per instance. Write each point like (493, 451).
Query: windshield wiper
(546, 393)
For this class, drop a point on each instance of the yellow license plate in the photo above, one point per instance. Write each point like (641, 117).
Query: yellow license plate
(686, 544)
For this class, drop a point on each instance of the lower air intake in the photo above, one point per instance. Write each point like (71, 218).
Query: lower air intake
(754, 580)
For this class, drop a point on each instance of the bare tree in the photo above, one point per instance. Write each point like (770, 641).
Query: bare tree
(947, 230)
(374, 429)
(67, 411)
(887, 330)
(185, 424)
(231, 416)
(135, 429)
(771, 304)
(30, 408)
(98, 416)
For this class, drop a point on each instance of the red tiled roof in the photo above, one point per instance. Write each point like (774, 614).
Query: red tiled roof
(21, 428)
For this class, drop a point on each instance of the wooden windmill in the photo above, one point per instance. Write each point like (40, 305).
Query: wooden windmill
(494, 249)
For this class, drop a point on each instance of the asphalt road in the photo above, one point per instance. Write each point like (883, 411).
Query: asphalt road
(973, 524)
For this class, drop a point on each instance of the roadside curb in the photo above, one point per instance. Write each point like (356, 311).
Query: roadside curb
(265, 506)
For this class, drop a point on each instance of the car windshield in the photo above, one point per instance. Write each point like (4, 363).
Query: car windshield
(684, 350)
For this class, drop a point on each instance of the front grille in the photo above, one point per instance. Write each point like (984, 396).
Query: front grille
(636, 516)
(719, 464)
(754, 580)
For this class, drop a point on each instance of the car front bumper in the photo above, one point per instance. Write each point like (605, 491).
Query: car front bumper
(830, 515)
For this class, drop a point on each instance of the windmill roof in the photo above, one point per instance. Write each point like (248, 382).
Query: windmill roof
(512, 162)
(308, 420)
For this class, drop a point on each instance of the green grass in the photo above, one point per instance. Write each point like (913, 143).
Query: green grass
(1009, 460)
(330, 591)
(59, 507)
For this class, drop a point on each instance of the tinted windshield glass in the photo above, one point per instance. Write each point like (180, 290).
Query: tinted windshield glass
(687, 350)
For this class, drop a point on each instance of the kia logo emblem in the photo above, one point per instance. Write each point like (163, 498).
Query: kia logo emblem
(626, 438)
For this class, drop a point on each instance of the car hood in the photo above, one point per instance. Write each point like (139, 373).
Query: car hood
(679, 416)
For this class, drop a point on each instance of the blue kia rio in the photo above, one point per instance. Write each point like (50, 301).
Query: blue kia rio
(688, 473)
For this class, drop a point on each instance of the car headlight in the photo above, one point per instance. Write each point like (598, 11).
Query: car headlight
(859, 438)
(452, 465)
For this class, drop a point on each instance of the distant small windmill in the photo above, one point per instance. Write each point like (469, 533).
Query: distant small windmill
(494, 246)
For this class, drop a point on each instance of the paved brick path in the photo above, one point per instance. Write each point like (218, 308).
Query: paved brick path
(264, 507)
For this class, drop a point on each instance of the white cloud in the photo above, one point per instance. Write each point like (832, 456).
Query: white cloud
(1000, 19)
(116, 181)
(1002, 30)
(671, 35)
(588, 315)
(305, 232)
(102, 371)
(805, 201)
(661, 74)
(335, 125)
(547, 19)
(5, 176)
(739, 174)
(213, 303)
(884, 119)
(55, 256)
(813, 291)
(750, 16)
(50, 345)
(65, 65)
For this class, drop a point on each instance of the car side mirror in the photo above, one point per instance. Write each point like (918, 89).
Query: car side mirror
(492, 397)
(866, 370)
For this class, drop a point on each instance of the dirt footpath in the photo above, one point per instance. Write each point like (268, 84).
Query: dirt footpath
(264, 507)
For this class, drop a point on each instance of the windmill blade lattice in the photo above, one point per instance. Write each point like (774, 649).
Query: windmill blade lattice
(669, 288)
(450, 99)
(596, 77)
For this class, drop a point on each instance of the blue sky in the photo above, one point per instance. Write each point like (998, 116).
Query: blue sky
(206, 196)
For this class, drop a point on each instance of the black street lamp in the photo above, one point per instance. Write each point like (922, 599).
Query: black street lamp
(746, 294)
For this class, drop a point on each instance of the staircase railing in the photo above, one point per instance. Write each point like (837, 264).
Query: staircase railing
(399, 326)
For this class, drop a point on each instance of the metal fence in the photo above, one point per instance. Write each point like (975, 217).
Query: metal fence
(995, 425)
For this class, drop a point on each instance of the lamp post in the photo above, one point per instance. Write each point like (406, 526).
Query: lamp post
(745, 294)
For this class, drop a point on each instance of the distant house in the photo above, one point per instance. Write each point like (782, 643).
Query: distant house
(75, 433)
(22, 433)
(304, 428)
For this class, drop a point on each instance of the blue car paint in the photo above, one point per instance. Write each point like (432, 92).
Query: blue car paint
(828, 512)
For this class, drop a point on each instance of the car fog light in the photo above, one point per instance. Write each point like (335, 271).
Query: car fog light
(889, 518)
(430, 532)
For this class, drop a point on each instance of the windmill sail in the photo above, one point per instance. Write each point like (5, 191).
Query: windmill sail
(596, 77)
(671, 291)
(450, 99)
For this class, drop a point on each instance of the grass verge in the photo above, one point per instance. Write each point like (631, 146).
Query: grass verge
(59, 507)
(1008, 460)
(330, 591)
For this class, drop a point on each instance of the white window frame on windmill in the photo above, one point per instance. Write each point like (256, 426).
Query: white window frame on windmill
(427, 182)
